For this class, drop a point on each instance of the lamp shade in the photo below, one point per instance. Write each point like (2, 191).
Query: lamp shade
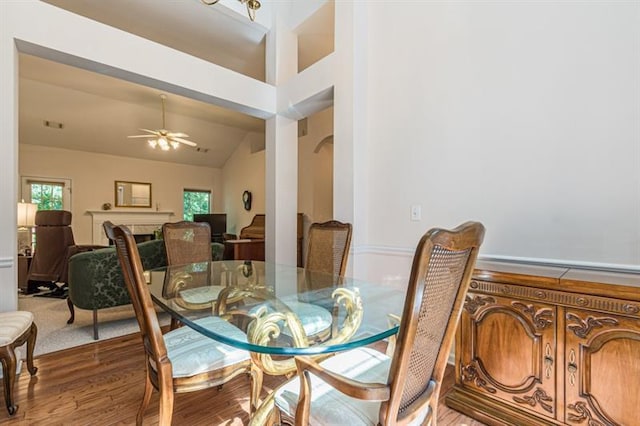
(27, 215)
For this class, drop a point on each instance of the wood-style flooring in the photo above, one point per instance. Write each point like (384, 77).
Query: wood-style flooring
(102, 384)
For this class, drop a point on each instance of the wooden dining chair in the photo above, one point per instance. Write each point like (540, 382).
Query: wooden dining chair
(182, 360)
(327, 252)
(367, 387)
(187, 242)
(325, 266)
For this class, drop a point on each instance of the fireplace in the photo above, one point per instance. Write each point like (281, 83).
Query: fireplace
(142, 224)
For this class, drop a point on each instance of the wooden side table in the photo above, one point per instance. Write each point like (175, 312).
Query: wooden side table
(244, 250)
(24, 262)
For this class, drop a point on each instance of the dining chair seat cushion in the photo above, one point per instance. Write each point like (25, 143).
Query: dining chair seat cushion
(193, 353)
(201, 295)
(331, 407)
(13, 325)
(314, 318)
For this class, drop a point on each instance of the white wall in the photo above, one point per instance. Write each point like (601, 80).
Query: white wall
(315, 170)
(244, 171)
(522, 115)
(93, 176)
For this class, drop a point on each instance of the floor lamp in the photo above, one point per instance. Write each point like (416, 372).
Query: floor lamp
(26, 221)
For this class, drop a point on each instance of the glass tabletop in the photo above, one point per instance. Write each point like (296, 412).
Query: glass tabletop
(280, 310)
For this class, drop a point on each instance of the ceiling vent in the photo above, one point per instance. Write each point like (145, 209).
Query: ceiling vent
(53, 124)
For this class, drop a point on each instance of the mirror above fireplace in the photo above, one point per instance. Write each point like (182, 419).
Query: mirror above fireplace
(132, 194)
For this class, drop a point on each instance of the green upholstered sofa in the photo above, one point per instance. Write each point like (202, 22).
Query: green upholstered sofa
(96, 281)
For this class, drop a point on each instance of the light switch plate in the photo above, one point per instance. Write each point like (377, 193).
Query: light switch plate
(416, 213)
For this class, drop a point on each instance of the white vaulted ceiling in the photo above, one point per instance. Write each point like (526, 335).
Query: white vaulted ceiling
(98, 112)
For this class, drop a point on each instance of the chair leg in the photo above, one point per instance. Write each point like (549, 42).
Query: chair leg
(95, 324)
(8, 360)
(31, 345)
(72, 312)
(165, 387)
(148, 389)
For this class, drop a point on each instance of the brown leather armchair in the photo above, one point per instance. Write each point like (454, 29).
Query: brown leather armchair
(54, 246)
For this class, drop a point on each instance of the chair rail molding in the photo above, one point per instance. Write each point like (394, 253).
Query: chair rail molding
(139, 222)
(408, 253)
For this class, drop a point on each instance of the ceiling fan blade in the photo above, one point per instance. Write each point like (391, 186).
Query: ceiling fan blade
(155, 132)
(184, 141)
(141, 136)
(177, 135)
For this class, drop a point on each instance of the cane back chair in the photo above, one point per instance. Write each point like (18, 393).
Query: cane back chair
(187, 242)
(182, 360)
(402, 387)
(327, 252)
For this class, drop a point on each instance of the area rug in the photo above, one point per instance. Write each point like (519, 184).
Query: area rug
(55, 334)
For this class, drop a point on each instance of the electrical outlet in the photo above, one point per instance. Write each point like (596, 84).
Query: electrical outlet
(416, 213)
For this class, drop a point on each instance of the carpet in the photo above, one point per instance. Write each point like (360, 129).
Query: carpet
(55, 334)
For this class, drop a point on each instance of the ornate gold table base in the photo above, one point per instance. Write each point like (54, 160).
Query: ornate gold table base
(266, 327)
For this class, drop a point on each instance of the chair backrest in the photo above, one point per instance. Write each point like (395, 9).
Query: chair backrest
(442, 267)
(133, 273)
(328, 247)
(187, 242)
(53, 239)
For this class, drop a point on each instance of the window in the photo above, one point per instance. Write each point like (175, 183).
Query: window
(195, 201)
(47, 193)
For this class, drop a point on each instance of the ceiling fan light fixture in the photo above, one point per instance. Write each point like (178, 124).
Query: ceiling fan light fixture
(164, 138)
(164, 145)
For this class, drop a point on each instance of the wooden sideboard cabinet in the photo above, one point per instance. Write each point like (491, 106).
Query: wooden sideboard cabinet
(549, 346)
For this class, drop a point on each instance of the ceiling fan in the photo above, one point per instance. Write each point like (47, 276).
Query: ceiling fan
(163, 138)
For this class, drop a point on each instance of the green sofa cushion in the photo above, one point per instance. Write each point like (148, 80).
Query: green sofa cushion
(95, 277)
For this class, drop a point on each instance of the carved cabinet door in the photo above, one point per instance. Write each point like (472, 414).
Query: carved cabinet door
(508, 351)
(602, 384)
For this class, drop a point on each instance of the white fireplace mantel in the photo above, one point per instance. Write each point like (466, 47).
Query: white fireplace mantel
(140, 222)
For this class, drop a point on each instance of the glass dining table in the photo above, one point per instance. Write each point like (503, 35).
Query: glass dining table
(284, 310)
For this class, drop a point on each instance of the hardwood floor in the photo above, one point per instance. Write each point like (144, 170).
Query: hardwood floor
(102, 384)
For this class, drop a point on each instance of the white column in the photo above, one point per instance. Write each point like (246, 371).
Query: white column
(350, 189)
(281, 189)
(281, 150)
(9, 169)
